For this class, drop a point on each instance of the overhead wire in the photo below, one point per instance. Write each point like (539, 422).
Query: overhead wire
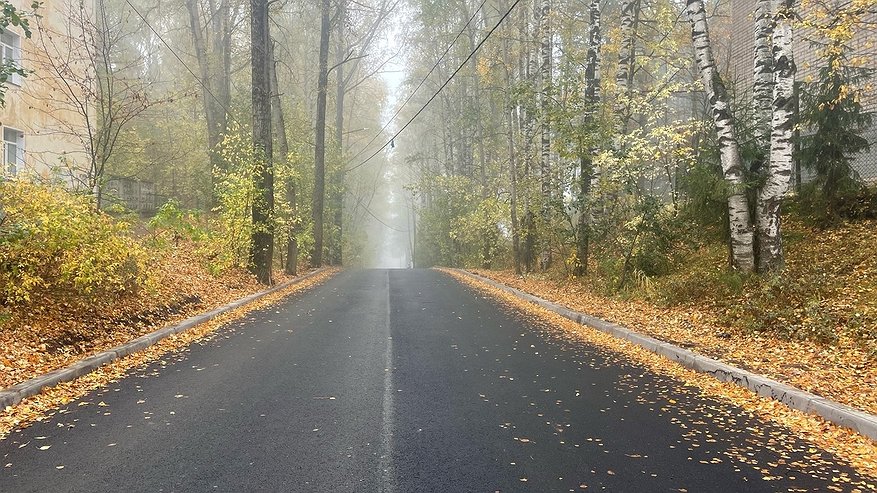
(440, 89)
(398, 111)
(372, 214)
(422, 81)
(459, 68)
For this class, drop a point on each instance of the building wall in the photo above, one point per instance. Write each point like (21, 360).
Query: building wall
(138, 196)
(40, 106)
(808, 63)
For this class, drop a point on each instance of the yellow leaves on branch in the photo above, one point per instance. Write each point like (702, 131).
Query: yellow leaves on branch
(834, 26)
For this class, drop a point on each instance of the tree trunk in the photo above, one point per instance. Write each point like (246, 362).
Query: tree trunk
(762, 87)
(262, 251)
(742, 254)
(513, 173)
(320, 147)
(586, 167)
(779, 170)
(545, 98)
(215, 81)
(583, 236)
(291, 266)
(630, 10)
(513, 164)
(278, 126)
(340, 91)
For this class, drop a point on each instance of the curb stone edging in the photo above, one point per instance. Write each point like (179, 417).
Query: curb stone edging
(15, 394)
(839, 414)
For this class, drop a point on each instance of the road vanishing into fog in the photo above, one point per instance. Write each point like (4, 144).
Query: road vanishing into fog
(403, 381)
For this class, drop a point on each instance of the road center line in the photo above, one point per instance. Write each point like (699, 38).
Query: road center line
(387, 473)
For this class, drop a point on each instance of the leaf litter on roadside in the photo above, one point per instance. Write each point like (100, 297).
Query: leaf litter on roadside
(850, 447)
(46, 404)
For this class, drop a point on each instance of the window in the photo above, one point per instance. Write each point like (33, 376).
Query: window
(10, 52)
(13, 150)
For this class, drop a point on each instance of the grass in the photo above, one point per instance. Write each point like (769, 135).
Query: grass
(826, 293)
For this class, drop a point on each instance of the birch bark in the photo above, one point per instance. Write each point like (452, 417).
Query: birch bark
(742, 253)
(586, 166)
(545, 99)
(626, 60)
(779, 169)
(762, 74)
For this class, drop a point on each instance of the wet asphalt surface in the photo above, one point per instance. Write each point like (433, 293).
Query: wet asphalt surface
(404, 381)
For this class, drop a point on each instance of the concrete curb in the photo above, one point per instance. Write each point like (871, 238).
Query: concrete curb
(839, 414)
(15, 394)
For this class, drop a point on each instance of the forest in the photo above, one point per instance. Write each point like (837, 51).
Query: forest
(702, 155)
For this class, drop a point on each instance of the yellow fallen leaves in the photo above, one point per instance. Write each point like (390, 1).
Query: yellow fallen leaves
(860, 452)
(842, 372)
(57, 329)
(44, 405)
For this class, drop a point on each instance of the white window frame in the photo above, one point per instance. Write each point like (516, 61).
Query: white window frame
(11, 48)
(18, 166)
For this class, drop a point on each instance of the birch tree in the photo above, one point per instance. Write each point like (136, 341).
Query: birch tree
(586, 165)
(762, 88)
(779, 169)
(630, 12)
(544, 103)
(741, 235)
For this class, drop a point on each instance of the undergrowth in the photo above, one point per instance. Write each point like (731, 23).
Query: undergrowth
(827, 291)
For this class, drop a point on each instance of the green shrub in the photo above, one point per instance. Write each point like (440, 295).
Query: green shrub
(52, 241)
(172, 222)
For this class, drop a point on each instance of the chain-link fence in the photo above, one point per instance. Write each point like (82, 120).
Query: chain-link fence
(865, 163)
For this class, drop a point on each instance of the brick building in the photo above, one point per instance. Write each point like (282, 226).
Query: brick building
(806, 58)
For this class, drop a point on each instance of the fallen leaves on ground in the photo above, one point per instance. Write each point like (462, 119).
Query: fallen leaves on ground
(839, 372)
(860, 452)
(57, 331)
(45, 404)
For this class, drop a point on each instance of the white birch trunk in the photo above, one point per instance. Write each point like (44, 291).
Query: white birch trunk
(742, 254)
(586, 166)
(779, 169)
(592, 65)
(762, 74)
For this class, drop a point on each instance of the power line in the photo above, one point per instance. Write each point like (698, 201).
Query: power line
(422, 108)
(372, 214)
(422, 81)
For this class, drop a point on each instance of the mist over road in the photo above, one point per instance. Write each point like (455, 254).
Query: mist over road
(402, 380)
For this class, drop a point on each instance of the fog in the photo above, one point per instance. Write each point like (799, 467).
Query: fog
(389, 240)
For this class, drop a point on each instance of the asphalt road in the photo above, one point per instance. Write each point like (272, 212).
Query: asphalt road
(404, 381)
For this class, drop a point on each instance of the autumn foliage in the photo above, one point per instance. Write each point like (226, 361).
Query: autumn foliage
(52, 241)
(74, 280)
